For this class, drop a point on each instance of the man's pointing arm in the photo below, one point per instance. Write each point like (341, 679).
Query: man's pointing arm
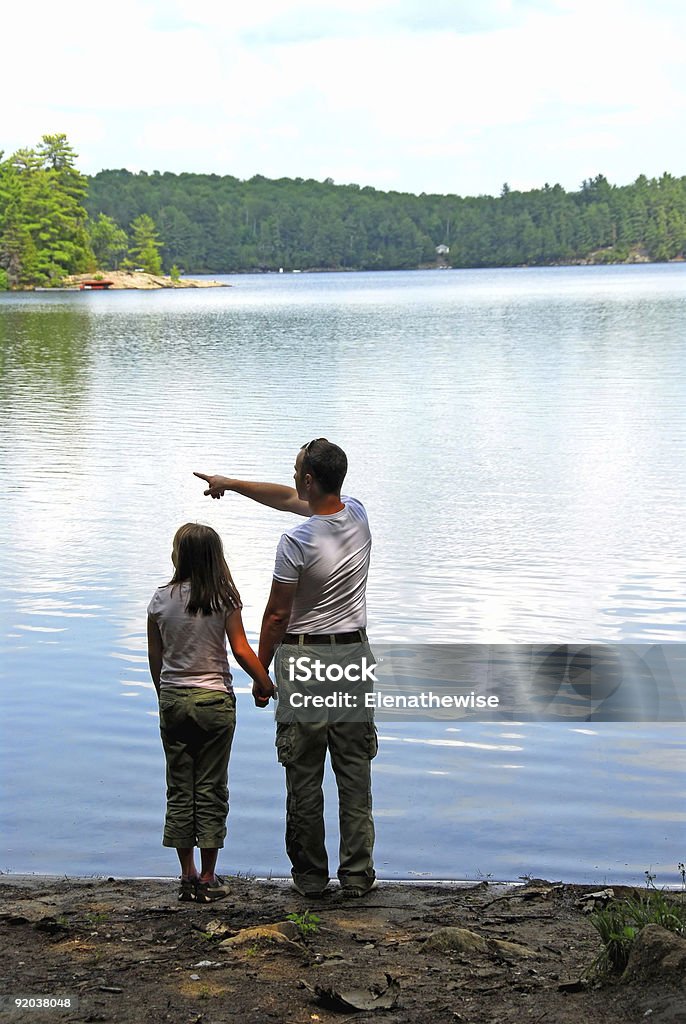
(283, 499)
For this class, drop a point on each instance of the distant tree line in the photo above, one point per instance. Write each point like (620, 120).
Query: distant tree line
(56, 221)
(211, 224)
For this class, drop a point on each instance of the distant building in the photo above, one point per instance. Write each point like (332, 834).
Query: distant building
(442, 250)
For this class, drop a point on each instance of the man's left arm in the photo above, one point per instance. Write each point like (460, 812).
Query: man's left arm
(275, 619)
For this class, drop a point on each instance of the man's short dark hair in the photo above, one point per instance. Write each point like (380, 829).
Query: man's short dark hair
(327, 463)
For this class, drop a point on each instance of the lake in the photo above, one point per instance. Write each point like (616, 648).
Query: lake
(519, 440)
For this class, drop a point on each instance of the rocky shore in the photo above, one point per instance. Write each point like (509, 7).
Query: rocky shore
(478, 953)
(139, 280)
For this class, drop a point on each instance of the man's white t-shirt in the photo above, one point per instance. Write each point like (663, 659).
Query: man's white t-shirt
(193, 646)
(328, 558)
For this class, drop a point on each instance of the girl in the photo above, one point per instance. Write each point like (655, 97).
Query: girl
(188, 621)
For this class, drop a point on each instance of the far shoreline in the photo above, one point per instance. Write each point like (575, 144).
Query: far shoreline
(142, 281)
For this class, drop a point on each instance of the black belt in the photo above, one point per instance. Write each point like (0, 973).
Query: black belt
(358, 636)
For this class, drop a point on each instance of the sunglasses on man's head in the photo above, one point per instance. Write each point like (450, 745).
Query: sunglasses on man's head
(306, 447)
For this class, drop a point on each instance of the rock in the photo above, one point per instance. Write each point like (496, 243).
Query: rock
(136, 279)
(602, 894)
(28, 911)
(461, 940)
(214, 928)
(50, 925)
(284, 932)
(657, 954)
(355, 1000)
(510, 948)
(578, 985)
(537, 888)
(595, 900)
(455, 940)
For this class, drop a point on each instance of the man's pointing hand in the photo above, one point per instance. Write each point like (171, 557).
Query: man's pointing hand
(216, 484)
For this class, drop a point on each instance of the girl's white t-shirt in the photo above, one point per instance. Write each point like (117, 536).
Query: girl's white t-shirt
(193, 646)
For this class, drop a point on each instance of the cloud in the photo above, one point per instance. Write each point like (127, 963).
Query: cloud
(351, 20)
(445, 96)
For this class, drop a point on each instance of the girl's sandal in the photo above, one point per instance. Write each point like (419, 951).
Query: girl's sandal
(208, 892)
(187, 890)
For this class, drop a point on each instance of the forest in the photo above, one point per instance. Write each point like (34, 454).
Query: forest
(55, 221)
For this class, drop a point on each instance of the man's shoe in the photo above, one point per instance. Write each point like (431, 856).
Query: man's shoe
(309, 893)
(355, 891)
(208, 892)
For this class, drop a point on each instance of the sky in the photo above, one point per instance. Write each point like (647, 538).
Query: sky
(437, 96)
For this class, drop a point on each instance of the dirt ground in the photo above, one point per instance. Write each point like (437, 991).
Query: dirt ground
(128, 951)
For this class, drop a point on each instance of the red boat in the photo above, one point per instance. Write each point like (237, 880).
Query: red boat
(95, 286)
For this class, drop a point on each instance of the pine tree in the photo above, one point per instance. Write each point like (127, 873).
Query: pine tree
(109, 242)
(145, 251)
(42, 217)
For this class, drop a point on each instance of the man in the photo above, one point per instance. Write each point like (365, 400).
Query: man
(317, 601)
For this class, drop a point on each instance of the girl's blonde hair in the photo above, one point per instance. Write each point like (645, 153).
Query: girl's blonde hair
(198, 557)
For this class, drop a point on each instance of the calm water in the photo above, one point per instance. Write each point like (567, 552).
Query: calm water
(519, 439)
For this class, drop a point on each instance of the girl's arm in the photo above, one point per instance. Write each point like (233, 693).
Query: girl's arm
(154, 652)
(262, 688)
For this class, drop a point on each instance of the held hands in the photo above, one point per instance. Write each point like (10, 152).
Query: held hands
(216, 484)
(260, 696)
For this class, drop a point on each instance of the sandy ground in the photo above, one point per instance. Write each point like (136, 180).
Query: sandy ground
(129, 951)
